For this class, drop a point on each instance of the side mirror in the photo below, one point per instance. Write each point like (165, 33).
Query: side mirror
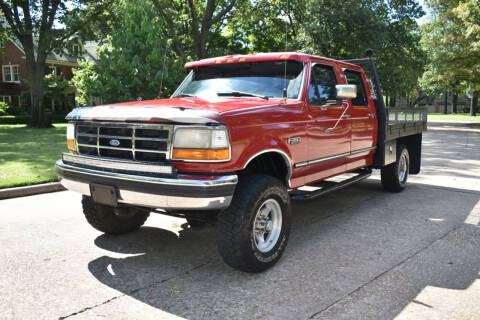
(346, 91)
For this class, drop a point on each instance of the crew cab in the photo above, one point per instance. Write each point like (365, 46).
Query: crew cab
(237, 141)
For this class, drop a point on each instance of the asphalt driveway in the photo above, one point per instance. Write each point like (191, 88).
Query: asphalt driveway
(358, 253)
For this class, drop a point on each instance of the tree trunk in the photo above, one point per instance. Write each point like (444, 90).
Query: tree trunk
(445, 103)
(393, 101)
(36, 72)
(473, 105)
(454, 102)
(36, 95)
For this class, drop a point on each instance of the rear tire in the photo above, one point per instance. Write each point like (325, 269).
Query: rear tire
(395, 175)
(253, 232)
(105, 219)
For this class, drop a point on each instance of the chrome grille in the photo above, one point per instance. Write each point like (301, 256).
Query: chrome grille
(142, 142)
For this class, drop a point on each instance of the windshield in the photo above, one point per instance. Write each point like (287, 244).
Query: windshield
(264, 79)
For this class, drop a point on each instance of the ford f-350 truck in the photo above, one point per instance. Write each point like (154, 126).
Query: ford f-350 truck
(235, 143)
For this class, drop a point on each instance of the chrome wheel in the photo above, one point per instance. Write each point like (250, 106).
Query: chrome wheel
(402, 167)
(267, 225)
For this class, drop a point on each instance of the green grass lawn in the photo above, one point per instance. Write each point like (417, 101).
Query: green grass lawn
(454, 117)
(27, 156)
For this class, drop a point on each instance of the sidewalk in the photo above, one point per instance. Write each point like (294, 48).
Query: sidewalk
(440, 123)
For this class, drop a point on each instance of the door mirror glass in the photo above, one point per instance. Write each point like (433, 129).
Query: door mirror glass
(346, 91)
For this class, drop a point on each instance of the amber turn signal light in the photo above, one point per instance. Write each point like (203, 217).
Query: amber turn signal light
(71, 145)
(201, 154)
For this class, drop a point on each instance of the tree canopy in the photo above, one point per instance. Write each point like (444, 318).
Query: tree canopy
(42, 27)
(451, 41)
(340, 29)
(134, 62)
(144, 43)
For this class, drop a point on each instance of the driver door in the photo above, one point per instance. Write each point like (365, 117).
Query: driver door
(328, 133)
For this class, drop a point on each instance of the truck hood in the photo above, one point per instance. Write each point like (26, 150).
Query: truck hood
(180, 110)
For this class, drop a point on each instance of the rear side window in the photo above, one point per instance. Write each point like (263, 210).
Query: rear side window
(322, 89)
(354, 77)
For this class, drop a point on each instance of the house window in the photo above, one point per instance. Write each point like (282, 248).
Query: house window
(54, 70)
(6, 99)
(76, 49)
(11, 73)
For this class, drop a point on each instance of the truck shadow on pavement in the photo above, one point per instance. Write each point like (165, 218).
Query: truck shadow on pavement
(357, 253)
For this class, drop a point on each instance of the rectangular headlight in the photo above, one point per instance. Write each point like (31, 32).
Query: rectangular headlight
(201, 144)
(70, 131)
(192, 138)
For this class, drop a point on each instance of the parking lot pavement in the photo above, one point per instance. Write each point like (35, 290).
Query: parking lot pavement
(357, 253)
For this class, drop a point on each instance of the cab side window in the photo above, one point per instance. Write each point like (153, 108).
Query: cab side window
(354, 77)
(322, 89)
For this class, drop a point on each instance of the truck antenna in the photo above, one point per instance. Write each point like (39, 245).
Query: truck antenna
(163, 67)
(285, 63)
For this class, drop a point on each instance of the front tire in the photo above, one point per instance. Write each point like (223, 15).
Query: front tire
(395, 175)
(253, 232)
(106, 219)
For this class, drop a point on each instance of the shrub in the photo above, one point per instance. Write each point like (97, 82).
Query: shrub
(4, 108)
(56, 118)
(9, 109)
(15, 119)
(25, 119)
(15, 110)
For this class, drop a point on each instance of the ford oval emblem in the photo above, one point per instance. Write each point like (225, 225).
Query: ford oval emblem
(114, 143)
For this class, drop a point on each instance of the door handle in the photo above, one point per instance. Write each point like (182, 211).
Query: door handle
(346, 116)
(371, 115)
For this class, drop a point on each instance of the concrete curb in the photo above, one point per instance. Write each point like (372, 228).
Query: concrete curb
(30, 190)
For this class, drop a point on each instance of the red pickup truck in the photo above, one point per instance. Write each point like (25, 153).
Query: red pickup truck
(234, 144)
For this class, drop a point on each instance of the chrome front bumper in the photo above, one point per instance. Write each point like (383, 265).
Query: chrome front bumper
(190, 192)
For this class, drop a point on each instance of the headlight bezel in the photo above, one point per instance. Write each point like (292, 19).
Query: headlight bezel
(212, 129)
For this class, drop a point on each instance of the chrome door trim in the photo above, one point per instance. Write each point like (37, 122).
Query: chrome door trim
(363, 150)
(336, 156)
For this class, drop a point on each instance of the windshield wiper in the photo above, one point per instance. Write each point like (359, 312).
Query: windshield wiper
(182, 95)
(240, 94)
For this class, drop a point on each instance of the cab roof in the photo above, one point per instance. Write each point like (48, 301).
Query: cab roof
(257, 57)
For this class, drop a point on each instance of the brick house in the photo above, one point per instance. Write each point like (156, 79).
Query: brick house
(14, 89)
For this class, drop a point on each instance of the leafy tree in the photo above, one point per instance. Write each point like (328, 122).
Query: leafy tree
(194, 26)
(135, 62)
(466, 47)
(197, 29)
(86, 82)
(56, 90)
(338, 29)
(36, 24)
(452, 43)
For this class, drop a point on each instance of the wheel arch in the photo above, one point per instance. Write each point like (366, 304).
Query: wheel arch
(282, 164)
